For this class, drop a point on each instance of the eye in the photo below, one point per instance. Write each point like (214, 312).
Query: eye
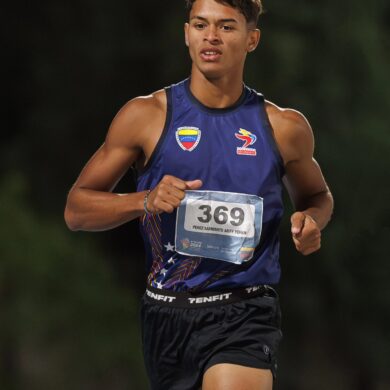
(227, 27)
(199, 26)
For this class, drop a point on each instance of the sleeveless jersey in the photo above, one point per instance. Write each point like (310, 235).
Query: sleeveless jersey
(230, 150)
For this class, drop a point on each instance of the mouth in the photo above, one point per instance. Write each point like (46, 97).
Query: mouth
(210, 55)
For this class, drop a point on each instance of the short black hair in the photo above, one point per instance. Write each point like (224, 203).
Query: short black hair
(251, 9)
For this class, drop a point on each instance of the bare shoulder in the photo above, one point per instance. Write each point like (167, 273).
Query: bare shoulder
(149, 104)
(292, 131)
(138, 119)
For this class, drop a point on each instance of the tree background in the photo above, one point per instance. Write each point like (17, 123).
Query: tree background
(69, 301)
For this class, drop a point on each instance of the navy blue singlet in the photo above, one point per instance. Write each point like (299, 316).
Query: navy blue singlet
(230, 150)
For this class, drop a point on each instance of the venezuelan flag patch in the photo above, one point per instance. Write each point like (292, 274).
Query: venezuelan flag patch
(188, 138)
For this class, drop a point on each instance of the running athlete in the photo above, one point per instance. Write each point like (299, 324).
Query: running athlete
(212, 155)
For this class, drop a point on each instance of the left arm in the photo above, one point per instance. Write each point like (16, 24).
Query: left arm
(304, 181)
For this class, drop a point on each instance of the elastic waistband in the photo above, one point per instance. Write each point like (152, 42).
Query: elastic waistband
(208, 298)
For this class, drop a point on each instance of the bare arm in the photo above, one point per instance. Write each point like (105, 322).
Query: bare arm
(91, 205)
(304, 180)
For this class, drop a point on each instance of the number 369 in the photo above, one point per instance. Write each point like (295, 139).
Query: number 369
(221, 215)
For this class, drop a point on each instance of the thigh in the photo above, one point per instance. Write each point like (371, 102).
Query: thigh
(167, 335)
(235, 377)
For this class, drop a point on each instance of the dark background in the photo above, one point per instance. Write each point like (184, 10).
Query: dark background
(69, 301)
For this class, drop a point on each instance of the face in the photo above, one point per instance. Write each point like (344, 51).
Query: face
(218, 38)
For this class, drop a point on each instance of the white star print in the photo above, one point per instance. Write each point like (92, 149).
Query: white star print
(169, 247)
(159, 285)
(171, 261)
(164, 271)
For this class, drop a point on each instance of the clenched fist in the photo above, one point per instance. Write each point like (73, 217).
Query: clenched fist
(168, 194)
(305, 233)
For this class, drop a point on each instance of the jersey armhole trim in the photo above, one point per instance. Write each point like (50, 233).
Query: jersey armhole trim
(269, 132)
(158, 146)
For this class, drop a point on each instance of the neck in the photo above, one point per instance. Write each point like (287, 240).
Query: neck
(216, 92)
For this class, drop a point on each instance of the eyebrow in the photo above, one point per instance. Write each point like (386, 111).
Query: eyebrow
(219, 21)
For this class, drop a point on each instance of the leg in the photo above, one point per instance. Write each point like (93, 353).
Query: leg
(235, 377)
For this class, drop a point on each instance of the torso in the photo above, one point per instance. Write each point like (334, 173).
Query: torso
(257, 174)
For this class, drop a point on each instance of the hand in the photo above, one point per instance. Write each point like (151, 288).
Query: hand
(168, 194)
(305, 233)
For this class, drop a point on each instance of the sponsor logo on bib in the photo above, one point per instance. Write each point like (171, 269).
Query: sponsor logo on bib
(185, 243)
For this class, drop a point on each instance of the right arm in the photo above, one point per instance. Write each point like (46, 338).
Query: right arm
(91, 205)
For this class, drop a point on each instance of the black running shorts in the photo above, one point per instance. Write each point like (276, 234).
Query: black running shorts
(184, 334)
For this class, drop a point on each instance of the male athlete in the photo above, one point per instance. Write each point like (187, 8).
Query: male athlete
(211, 155)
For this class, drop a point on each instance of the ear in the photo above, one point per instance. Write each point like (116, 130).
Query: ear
(186, 27)
(253, 39)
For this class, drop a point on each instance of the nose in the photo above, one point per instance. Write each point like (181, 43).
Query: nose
(212, 34)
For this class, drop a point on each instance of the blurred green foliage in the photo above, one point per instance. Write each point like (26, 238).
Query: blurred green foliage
(68, 310)
(65, 323)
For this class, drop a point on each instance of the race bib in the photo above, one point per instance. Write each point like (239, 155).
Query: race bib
(219, 225)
